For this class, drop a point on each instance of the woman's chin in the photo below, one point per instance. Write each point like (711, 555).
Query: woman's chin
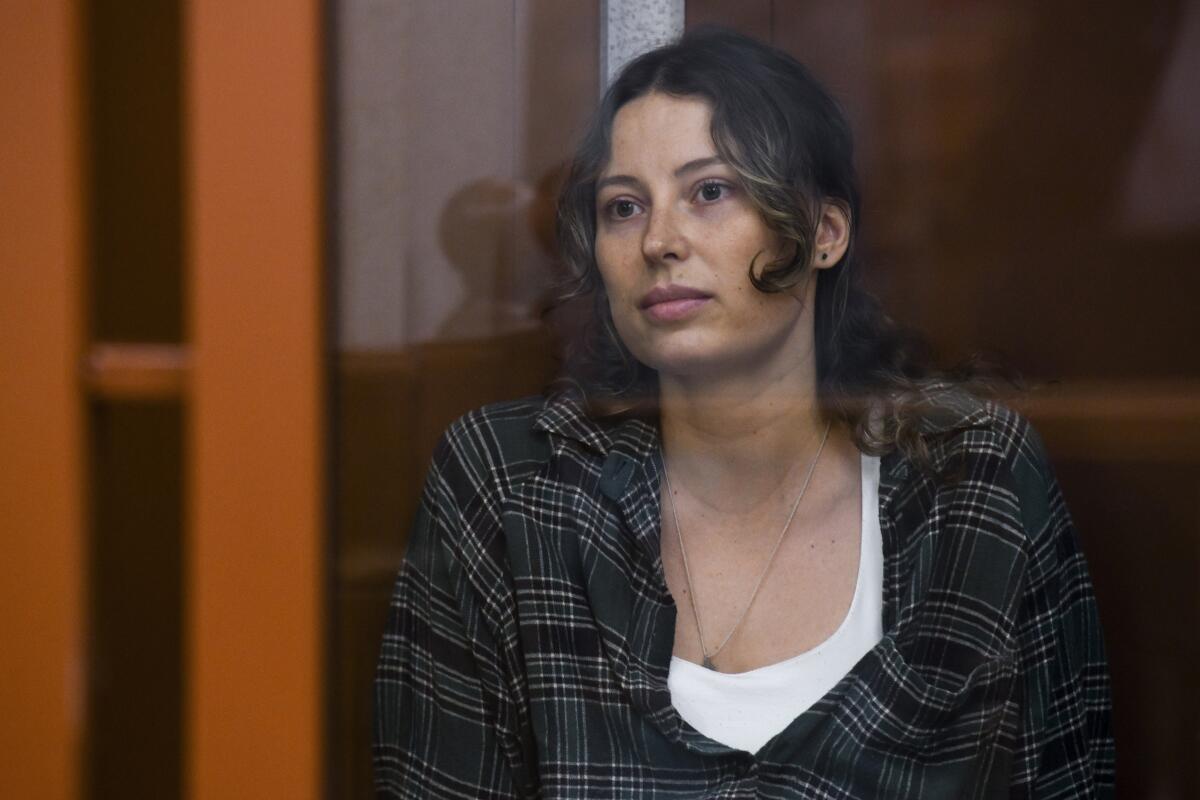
(696, 365)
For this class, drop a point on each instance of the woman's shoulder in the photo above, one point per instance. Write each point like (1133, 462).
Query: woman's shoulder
(478, 460)
(998, 461)
(498, 438)
(510, 419)
(563, 412)
(959, 424)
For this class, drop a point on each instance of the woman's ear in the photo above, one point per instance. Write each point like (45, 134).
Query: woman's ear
(833, 236)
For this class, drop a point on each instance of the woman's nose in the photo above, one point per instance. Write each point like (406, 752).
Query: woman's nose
(663, 240)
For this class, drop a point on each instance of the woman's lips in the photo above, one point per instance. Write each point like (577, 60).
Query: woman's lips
(673, 303)
(673, 310)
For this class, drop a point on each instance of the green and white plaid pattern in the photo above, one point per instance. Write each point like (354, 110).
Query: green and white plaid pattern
(530, 633)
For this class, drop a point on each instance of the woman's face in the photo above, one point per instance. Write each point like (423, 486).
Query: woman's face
(675, 237)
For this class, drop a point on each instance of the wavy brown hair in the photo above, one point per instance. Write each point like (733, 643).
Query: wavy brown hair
(791, 148)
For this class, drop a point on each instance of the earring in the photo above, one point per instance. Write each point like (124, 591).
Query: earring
(824, 256)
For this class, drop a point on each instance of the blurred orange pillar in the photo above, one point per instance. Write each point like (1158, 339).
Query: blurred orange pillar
(255, 519)
(41, 419)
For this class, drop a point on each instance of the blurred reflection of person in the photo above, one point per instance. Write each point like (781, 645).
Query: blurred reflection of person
(477, 233)
(753, 544)
(492, 343)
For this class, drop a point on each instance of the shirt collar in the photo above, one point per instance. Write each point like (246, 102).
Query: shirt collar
(565, 414)
(950, 408)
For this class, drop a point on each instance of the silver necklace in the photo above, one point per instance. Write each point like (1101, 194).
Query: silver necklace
(710, 655)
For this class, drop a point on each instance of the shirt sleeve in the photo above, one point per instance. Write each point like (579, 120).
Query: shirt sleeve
(443, 722)
(1065, 748)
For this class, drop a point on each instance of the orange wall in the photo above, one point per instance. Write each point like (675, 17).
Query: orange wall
(255, 519)
(41, 504)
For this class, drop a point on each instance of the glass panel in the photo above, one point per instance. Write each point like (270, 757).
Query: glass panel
(452, 121)
(1030, 175)
(1029, 172)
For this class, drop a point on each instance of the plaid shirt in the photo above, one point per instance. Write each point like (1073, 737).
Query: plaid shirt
(531, 629)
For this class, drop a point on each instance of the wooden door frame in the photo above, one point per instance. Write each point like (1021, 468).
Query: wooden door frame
(41, 412)
(255, 522)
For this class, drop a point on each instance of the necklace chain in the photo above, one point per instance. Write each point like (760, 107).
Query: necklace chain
(710, 655)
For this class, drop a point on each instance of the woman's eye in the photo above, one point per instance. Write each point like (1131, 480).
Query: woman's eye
(622, 209)
(712, 191)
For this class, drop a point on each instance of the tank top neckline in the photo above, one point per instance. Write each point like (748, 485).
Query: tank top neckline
(865, 463)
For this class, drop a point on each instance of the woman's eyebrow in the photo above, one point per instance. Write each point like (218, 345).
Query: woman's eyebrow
(624, 180)
(629, 180)
(699, 163)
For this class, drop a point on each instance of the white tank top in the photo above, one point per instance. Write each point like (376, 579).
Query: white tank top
(745, 709)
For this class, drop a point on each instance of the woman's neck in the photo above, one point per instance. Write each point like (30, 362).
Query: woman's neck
(737, 442)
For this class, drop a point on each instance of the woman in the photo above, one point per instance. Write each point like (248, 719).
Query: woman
(753, 547)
